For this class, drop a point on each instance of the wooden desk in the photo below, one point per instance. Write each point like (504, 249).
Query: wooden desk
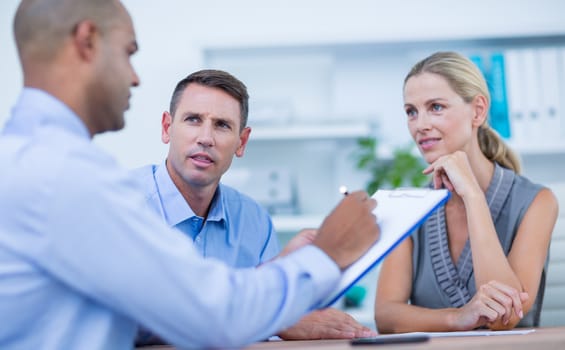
(541, 339)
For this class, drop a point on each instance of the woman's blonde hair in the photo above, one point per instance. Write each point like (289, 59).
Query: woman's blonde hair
(465, 78)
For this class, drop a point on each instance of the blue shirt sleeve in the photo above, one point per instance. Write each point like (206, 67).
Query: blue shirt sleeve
(98, 237)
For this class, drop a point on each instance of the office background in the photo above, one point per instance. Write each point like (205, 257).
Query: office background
(322, 74)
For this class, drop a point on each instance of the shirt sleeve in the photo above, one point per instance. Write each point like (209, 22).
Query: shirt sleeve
(100, 239)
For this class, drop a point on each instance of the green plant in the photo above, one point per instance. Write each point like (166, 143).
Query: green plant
(403, 169)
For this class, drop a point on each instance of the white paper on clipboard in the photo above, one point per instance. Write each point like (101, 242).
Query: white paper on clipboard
(399, 213)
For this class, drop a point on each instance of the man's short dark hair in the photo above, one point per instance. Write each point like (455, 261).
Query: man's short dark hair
(216, 79)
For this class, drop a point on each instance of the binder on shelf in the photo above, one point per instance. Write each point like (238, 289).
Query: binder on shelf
(551, 110)
(494, 74)
(478, 61)
(399, 212)
(532, 95)
(499, 119)
(515, 91)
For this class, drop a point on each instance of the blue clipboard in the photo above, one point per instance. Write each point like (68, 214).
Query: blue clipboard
(399, 213)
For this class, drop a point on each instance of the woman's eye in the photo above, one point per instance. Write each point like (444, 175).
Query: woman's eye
(437, 107)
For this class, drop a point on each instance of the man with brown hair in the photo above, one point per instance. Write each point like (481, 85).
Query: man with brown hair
(205, 127)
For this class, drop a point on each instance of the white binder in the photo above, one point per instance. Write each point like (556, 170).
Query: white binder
(515, 91)
(532, 95)
(551, 111)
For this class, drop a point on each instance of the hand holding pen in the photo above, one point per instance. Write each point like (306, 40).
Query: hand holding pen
(350, 229)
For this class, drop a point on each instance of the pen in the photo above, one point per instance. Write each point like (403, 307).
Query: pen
(343, 190)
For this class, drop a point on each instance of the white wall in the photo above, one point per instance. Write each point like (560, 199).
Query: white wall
(171, 34)
(10, 72)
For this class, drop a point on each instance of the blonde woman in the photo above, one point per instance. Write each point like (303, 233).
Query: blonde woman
(480, 260)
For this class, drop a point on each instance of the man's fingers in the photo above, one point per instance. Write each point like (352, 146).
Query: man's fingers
(359, 195)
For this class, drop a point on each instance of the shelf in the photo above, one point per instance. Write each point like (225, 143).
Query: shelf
(523, 150)
(317, 95)
(310, 131)
(538, 148)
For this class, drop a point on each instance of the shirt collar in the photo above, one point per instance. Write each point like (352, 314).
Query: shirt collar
(36, 107)
(175, 206)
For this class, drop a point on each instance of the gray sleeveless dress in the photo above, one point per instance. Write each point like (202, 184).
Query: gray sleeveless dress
(439, 282)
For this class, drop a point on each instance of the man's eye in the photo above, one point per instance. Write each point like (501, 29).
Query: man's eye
(223, 125)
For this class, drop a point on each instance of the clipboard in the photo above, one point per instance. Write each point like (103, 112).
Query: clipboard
(399, 213)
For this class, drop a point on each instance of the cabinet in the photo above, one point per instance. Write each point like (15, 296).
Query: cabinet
(310, 102)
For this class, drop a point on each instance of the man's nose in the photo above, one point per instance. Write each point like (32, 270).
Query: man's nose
(206, 135)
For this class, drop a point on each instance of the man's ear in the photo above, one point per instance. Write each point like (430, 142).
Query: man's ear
(243, 138)
(480, 110)
(85, 36)
(166, 121)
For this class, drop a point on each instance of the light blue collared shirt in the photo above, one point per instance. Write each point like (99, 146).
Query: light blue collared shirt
(83, 260)
(237, 231)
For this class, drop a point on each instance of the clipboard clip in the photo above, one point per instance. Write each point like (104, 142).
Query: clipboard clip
(409, 192)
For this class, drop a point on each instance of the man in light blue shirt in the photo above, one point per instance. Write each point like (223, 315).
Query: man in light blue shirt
(236, 229)
(205, 127)
(83, 261)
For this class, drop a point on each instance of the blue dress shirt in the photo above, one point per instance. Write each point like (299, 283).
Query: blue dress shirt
(237, 231)
(83, 261)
